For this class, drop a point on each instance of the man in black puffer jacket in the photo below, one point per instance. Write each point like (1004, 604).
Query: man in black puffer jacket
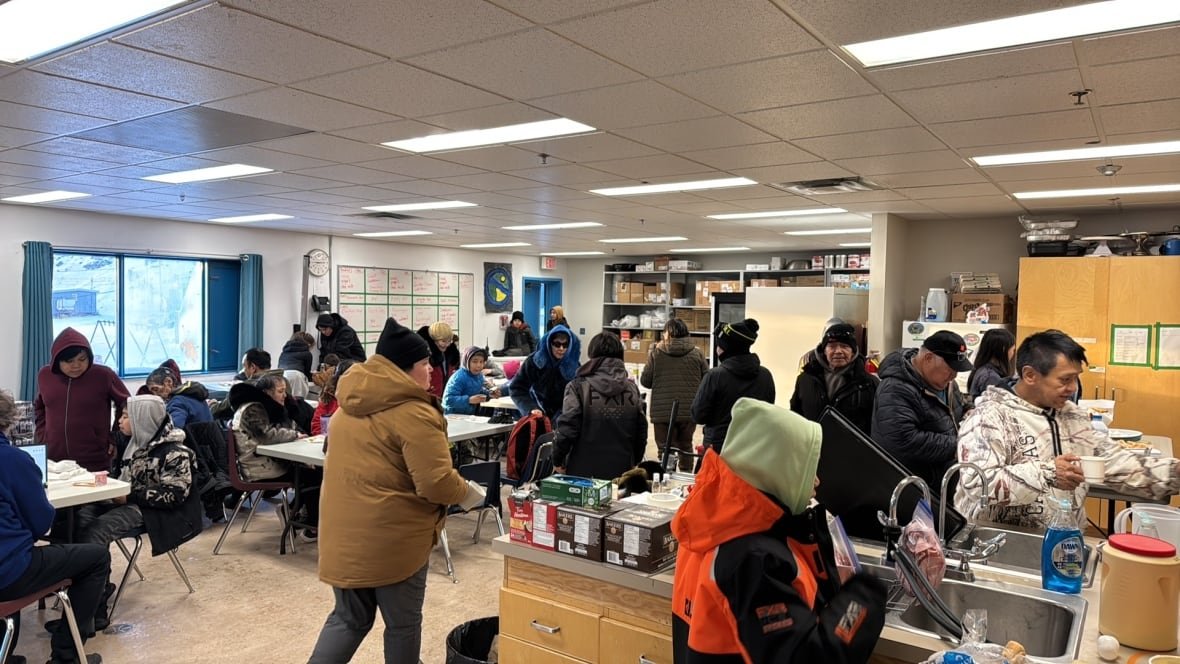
(337, 337)
(919, 406)
(835, 376)
(740, 374)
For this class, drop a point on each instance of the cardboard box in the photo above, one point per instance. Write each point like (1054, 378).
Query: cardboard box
(803, 280)
(673, 290)
(636, 293)
(520, 519)
(634, 357)
(641, 345)
(622, 291)
(730, 286)
(757, 266)
(661, 263)
(764, 283)
(580, 530)
(704, 292)
(683, 265)
(571, 490)
(685, 315)
(532, 522)
(639, 537)
(702, 320)
(1000, 308)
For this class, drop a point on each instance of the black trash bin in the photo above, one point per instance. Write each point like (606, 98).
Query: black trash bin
(469, 642)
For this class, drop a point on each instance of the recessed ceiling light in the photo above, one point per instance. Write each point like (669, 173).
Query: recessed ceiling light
(212, 173)
(1088, 19)
(516, 133)
(572, 253)
(252, 217)
(778, 213)
(29, 28)
(695, 185)
(1076, 154)
(431, 205)
(707, 250)
(45, 197)
(831, 231)
(495, 245)
(392, 234)
(1099, 191)
(551, 227)
(856, 244)
(627, 240)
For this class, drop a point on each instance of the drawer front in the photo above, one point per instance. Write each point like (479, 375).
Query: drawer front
(549, 625)
(627, 644)
(516, 651)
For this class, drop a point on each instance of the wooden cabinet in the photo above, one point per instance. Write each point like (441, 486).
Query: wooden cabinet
(549, 624)
(519, 652)
(628, 644)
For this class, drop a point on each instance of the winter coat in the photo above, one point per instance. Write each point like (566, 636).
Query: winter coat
(460, 388)
(853, 400)
(442, 363)
(344, 342)
(388, 479)
(912, 423)
(673, 372)
(540, 381)
(187, 404)
(755, 583)
(738, 376)
(25, 512)
(300, 412)
(161, 476)
(602, 432)
(983, 378)
(73, 415)
(554, 322)
(519, 341)
(259, 420)
(297, 355)
(1016, 442)
(211, 475)
(325, 408)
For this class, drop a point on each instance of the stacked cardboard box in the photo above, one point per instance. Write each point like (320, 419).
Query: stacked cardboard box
(990, 308)
(640, 537)
(706, 289)
(580, 530)
(764, 283)
(572, 490)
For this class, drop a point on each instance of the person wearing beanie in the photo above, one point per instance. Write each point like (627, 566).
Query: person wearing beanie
(518, 338)
(740, 374)
(836, 377)
(388, 480)
(444, 356)
(810, 355)
(539, 383)
(756, 577)
(336, 337)
(467, 387)
(602, 432)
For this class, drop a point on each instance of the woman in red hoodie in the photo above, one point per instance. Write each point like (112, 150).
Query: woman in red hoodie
(74, 401)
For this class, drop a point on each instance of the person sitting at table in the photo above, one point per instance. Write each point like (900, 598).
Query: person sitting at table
(187, 403)
(167, 368)
(1028, 437)
(993, 363)
(518, 338)
(602, 432)
(25, 515)
(328, 404)
(255, 365)
(467, 387)
(296, 353)
(337, 337)
(73, 406)
(327, 369)
(539, 385)
(444, 356)
(300, 411)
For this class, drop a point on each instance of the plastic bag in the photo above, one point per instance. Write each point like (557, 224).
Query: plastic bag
(975, 649)
(847, 563)
(921, 541)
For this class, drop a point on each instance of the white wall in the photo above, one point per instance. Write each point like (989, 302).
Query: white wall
(891, 262)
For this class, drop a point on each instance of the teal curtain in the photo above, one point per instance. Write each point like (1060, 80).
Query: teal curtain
(250, 304)
(37, 323)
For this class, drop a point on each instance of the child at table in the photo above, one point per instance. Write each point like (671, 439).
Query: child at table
(328, 404)
(467, 387)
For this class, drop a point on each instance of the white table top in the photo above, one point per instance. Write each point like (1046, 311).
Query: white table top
(304, 450)
(466, 427)
(499, 402)
(66, 494)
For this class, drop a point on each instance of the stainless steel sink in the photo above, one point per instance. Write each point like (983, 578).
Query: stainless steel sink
(1020, 553)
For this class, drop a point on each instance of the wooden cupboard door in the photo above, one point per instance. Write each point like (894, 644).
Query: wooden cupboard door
(518, 652)
(628, 644)
(548, 624)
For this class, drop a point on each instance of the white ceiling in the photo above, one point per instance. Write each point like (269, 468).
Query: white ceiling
(679, 89)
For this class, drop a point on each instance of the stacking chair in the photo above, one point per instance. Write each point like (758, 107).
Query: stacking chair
(15, 605)
(538, 464)
(487, 475)
(666, 450)
(252, 490)
(132, 557)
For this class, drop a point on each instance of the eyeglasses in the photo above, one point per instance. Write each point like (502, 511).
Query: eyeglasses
(559, 344)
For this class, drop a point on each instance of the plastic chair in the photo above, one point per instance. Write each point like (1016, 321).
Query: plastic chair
(247, 489)
(487, 475)
(539, 462)
(138, 534)
(8, 608)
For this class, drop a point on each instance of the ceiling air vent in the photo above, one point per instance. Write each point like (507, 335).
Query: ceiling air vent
(829, 186)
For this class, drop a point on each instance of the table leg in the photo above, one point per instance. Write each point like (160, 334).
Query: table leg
(289, 527)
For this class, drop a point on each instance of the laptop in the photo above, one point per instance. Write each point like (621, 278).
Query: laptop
(38, 452)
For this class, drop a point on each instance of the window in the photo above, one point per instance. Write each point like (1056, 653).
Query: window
(138, 311)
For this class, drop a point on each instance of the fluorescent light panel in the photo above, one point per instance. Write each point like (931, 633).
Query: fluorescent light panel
(252, 217)
(628, 240)
(392, 234)
(572, 253)
(1088, 19)
(495, 245)
(856, 244)
(29, 28)
(46, 197)
(1100, 191)
(212, 173)
(553, 227)
(1078, 154)
(516, 133)
(431, 205)
(778, 213)
(707, 250)
(695, 185)
(831, 231)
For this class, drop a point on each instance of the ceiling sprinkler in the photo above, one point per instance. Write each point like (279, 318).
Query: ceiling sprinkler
(1109, 170)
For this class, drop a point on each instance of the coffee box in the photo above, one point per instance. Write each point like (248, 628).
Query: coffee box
(581, 491)
(580, 529)
(532, 522)
(639, 537)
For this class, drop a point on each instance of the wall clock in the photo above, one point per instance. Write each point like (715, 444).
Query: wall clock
(317, 262)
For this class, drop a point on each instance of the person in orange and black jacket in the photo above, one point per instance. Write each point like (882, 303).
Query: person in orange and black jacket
(756, 580)
(444, 355)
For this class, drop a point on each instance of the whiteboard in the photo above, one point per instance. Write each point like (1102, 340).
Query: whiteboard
(366, 296)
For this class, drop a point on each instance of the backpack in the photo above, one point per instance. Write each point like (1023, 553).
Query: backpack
(522, 440)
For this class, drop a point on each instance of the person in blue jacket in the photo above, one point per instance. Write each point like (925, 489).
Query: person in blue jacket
(25, 515)
(539, 384)
(187, 404)
(467, 387)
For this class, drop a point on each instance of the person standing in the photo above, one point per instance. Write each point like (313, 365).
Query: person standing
(994, 363)
(73, 406)
(518, 338)
(740, 374)
(296, 353)
(388, 481)
(836, 377)
(673, 372)
(539, 384)
(444, 356)
(338, 338)
(557, 317)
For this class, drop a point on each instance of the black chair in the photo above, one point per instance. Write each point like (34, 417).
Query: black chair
(487, 475)
(539, 462)
(666, 450)
(138, 534)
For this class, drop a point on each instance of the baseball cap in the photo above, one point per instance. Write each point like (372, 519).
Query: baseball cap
(950, 347)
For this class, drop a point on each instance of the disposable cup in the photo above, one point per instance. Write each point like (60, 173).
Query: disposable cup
(1094, 468)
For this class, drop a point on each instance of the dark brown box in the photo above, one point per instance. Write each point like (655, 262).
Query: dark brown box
(579, 530)
(640, 538)
(1000, 307)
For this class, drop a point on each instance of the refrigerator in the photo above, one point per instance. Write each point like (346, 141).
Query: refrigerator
(914, 332)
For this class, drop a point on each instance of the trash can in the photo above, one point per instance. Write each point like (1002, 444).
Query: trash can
(470, 642)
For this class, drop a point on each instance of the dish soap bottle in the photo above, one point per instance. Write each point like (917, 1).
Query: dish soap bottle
(1062, 550)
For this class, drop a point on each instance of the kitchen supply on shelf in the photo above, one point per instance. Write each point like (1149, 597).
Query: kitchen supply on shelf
(1141, 240)
(1103, 248)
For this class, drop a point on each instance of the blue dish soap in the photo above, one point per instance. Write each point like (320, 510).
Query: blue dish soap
(1062, 553)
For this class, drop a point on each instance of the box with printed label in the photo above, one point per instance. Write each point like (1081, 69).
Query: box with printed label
(636, 293)
(702, 319)
(634, 357)
(999, 307)
(683, 265)
(764, 283)
(639, 537)
(579, 530)
(623, 290)
(705, 290)
(640, 345)
(532, 522)
(520, 518)
(661, 263)
(729, 286)
(571, 490)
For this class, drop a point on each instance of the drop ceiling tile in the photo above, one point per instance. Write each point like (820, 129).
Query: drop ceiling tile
(362, 192)
(841, 116)
(929, 178)
(319, 197)
(949, 191)
(78, 147)
(15, 138)
(490, 116)
(322, 146)
(897, 207)
(352, 174)
(1134, 46)
(627, 105)
(498, 158)
(388, 131)
(596, 147)
(980, 205)
(794, 172)
(743, 195)
(489, 182)
(703, 134)
(247, 44)
(999, 97)
(1146, 116)
(862, 197)
(154, 197)
(104, 180)
(643, 168)
(430, 188)
(674, 36)
(871, 143)
(548, 11)
(1073, 124)
(224, 189)
(489, 200)
(599, 203)
(1141, 80)
(978, 67)
(748, 156)
(778, 200)
(933, 160)
(301, 109)
(294, 181)
(526, 65)
(544, 194)
(384, 88)
(569, 174)
(46, 160)
(272, 159)
(21, 116)
(418, 166)
(77, 97)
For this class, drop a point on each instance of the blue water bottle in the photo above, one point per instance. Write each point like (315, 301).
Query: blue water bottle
(1062, 553)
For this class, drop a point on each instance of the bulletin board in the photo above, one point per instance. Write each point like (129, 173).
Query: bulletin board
(367, 296)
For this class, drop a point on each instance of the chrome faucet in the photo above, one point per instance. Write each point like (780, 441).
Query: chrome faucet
(942, 507)
(892, 527)
(980, 551)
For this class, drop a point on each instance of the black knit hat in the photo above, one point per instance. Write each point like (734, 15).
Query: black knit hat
(326, 320)
(401, 345)
(736, 338)
(518, 315)
(840, 333)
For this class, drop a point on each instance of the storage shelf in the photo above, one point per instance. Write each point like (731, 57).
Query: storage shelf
(638, 304)
(633, 327)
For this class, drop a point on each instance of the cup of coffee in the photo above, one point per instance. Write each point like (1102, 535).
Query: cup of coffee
(1094, 468)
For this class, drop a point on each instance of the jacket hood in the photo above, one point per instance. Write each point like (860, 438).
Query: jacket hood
(377, 385)
(470, 353)
(334, 321)
(150, 424)
(298, 383)
(775, 450)
(898, 364)
(743, 366)
(722, 507)
(69, 338)
(244, 393)
(193, 390)
(295, 345)
(608, 376)
(572, 360)
(676, 347)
